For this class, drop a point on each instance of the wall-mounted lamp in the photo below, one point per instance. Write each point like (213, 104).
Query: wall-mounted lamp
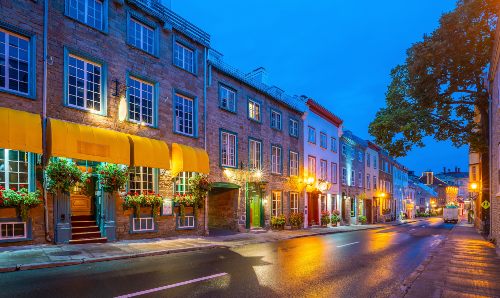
(122, 109)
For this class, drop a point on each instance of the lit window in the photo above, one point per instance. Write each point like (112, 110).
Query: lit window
(227, 98)
(294, 202)
(255, 153)
(294, 163)
(184, 114)
(254, 110)
(181, 182)
(311, 135)
(14, 62)
(323, 169)
(140, 101)
(276, 203)
(89, 12)
(276, 158)
(228, 149)
(141, 36)
(294, 128)
(275, 119)
(311, 166)
(141, 179)
(84, 84)
(15, 167)
(334, 173)
(183, 57)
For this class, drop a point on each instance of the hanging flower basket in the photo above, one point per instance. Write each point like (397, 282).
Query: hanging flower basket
(112, 177)
(183, 201)
(23, 200)
(62, 174)
(136, 201)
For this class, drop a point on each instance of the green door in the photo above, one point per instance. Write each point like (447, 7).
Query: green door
(255, 206)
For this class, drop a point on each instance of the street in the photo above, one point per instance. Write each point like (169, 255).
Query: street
(370, 263)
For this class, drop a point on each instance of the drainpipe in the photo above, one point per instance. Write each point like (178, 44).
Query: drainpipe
(205, 127)
(490, 146)
(44, 115)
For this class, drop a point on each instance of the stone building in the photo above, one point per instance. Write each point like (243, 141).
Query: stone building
(386, 201)
(400, 189)
(321, 161)
(371, 181)
(124, 82)
(255, 147)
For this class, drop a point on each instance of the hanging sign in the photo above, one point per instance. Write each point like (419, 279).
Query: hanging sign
(167, 207)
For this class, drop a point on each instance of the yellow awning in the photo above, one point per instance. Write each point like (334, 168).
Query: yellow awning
(189, 159)
(150, 153)
(20, 131)
(84, 142)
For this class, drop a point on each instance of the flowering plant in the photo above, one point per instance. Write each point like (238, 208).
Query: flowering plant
(184, 200)
(335, 217)
(278, 222)
(296, 219)
(112, 177)
(199, 186)
(62, 174)
(23, 200)
(362, 219)
(145, 199)
(325, 217)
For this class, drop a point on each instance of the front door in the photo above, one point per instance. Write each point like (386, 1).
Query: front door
(369, 211)
(255, 208)
(313, 210)
(80, 204)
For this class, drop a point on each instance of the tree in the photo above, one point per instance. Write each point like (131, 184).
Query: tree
(440, 87)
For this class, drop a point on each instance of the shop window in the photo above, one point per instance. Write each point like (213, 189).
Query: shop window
(142, 179)
(181, 182)
(15, 169)
(143, 224)
(188, 222)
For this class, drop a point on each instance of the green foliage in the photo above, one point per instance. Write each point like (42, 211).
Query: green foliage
(23, 200)
(199, 186)
(335, 217)
(325, 218)
(62, 174)
(296, 219)
(435, 91)
(278, 222)
(112, 177)
(362, 219)
(137, 200)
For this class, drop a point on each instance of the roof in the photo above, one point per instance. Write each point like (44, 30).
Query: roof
(326, 114)
(454, 175)
(293, 102)
(347, 134)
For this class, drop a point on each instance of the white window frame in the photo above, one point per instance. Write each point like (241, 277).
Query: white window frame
(368, 181)
(311, 166)
(323, 169)
(181, 182)
(7, 66)
(86, 83)
(143, 86)
(353, 178)
(276, 119)
(276, 203)
(6, 170)
(182, 54)
(189, 219)
(143, 174)
(333, 144)
(323, 140)
(181, 109)
(142, 225)
(254, 110)
(294, 163)
(255, 154)
(294, 127)
(229, 149)
(360, 179)
(294, 202)
(228, 95)
(85, 20)
(140, 41)
(276, 160)
(311, 134)
(12, 224)
(334, 174)
(344, 176)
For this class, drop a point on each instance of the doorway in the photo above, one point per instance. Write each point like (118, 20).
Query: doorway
(369, 211)
(255, 202)
(313, 209)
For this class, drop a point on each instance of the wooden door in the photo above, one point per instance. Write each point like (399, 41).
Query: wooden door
(312, 212)
(80, 205)
(255, 206)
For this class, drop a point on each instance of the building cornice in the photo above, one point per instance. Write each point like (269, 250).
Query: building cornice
(323, 112)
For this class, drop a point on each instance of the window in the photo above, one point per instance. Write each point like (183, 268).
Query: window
(227, 98)
(368, 162)
(333, 144)
(323, 141)
(294, 163)
(353, 178)
(254, 110)
(323, 169)
(368, 181)
(294, 202)
(311, 166)
(276, 158)
(13, 230)
(360, 179)
(143, 224)
(15, 167)
(276, 203)
(181, 182)
(344, 149)
(141, 179)
(430, 178)
(84, 84)
(275, 119)
(188, 222)
(140, 101)
(228, 147)
(311, 135)
(344, 176)
(184, 57)
(334, 173)
(141, 36)
(375, 182)
(255, 154)
(90, 12)
(294, 128)
(184, 115)
(353, 207)
(474, 173)
(360, 156)
(16, 62)
(375, 162)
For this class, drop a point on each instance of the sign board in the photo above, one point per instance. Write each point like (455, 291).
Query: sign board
(485, 204)
(167, 207)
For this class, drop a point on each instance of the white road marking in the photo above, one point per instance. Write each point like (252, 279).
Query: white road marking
(348, 244)
(172, 285)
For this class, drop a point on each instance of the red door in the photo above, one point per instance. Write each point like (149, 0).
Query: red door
(312, 206)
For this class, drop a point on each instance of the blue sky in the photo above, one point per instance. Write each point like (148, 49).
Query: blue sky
(337, 52)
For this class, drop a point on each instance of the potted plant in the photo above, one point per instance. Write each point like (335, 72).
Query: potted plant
(325, 218)
(136, 201)
(154, 201)
(296, 220)
(62, 174)
(362, 219)
(112, 177)
(133, 201)
(335, 218)
(199, 186)
(183, 201)
(278, 222)
(23, 200)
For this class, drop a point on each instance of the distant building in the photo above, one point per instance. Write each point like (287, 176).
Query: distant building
(446, 192)
(401, 191)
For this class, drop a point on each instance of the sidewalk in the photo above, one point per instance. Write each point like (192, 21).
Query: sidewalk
(46, 256)
(464, 265)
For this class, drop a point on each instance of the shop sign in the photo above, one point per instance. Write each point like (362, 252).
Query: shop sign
(167, 207)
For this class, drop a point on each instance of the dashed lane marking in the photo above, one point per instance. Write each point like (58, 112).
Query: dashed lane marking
(348, 244)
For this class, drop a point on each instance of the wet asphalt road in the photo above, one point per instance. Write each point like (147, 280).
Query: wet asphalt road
(369, 263)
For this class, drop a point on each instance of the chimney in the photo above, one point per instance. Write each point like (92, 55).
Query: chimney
(258, 75)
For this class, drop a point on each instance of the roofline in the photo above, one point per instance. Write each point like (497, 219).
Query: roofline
(323, 112)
